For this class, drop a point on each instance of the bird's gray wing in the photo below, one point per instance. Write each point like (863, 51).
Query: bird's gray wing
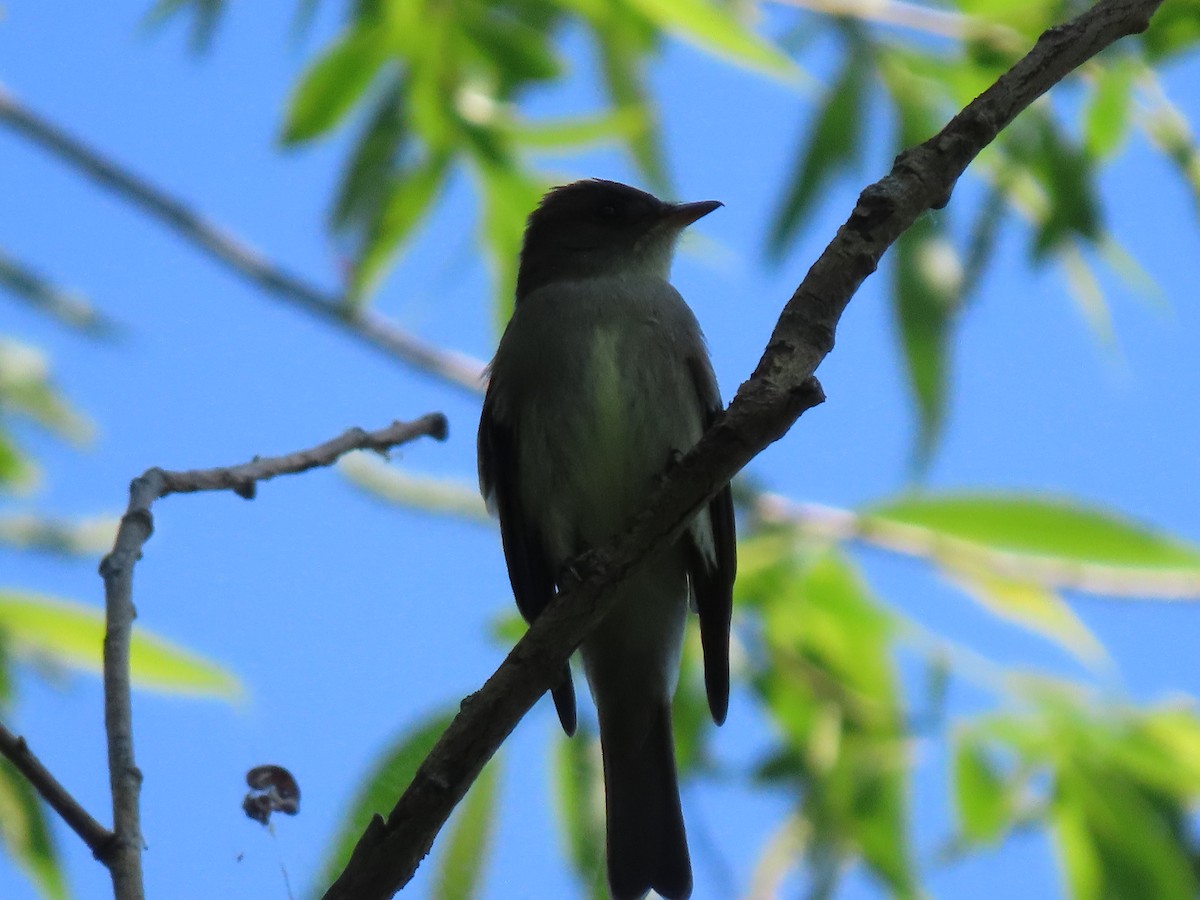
(712, 570)
(529, 570)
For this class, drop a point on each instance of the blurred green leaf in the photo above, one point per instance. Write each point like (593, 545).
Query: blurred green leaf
(1042, 526)
(715, 27)
(334, 83)
(26, 388)
(66, 306)
(927, 279)
(409, 199)
(378, 150)
(1174, 29)
(377, 793)
(206, 14)
(516, 51)
(72, 634)
(389, 482)
(18, 473)
(983, 801)
(622, 43)
(465, 847)
(566, 134)
(25, 835)
(1035, 607)
(833, 147)
(67, 537)
(579, 790)
(508, 197)
(1106, 117)
(827, 679)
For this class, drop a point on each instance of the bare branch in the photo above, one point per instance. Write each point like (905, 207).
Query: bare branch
(456, 368)
(124, 858)
(96, 836)
(764, 409)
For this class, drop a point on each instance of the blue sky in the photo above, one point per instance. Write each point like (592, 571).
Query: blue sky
(347, 620)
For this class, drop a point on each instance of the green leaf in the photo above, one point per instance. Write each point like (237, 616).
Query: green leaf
(1043, 526)
(18, 473)
(377, 793)
(26, 387)
(509, 195)
(470, 835)
(1035, 607)
(25, 835)
(77, 537)
(928, 278)
(334, 83)
(565, 134)
(983, 802)
(66, 306)
(365, 178)
(72, 634)
(1174, 29)
(715, 28)
(834, 147)
(409, 200)
(579, 790)
(1106, 117)
(206, 14)
(622, 45)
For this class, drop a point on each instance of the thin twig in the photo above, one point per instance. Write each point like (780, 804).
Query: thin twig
(764, 409)
(96, 836)
(125, 858)
(456, 368)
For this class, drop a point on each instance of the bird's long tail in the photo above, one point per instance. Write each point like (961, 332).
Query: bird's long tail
(647, 847)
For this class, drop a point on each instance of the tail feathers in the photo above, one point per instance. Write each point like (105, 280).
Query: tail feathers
(564, 701)
(647, 846)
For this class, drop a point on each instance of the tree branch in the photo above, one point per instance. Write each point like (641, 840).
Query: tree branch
(124, 853)
(96, 836)
(456, 368)
(764, 409)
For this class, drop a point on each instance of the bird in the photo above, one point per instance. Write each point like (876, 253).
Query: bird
(601, 380)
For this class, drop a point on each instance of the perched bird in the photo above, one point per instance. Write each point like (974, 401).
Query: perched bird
(601, 379)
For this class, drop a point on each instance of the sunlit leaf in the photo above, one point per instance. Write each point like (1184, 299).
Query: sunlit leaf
(1106, 118)
(26, 387)
(1033, 606)
(983, 801)
(832, 146)
(567, 134)
(715, 28)
(25, 835)
(1042, 526)
(443, 496)
(72, 634)
(18, 473)
(377, 793)
(334, 83)
(465, 847)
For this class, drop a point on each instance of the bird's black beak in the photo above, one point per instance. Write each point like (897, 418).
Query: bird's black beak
(681, 215)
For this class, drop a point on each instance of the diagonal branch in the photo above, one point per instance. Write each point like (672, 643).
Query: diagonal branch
(764, 409)
(124, 852)
(96, 836)
(456, 368)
